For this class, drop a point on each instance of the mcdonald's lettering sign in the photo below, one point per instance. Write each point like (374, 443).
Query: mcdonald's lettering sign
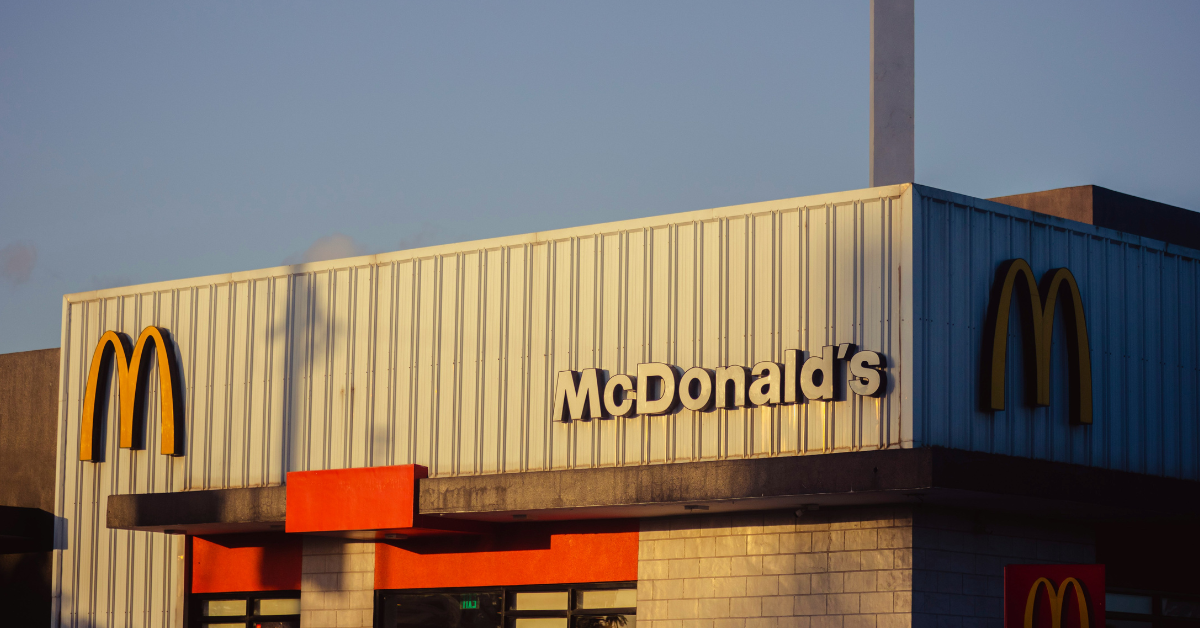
(1038, 306)
(133, 382)
(1054, 596)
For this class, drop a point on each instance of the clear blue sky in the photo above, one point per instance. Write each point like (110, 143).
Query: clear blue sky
(142, 142)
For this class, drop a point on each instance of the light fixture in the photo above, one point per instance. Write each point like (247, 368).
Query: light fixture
(391, 536)
(806, 508)
(694, 507)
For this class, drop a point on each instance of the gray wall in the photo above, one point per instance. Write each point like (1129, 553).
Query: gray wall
(28, 426)
(958, 560)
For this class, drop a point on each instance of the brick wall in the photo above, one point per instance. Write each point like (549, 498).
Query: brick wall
(959, 559)
(337, 586)
(895, 567)
(849, 568)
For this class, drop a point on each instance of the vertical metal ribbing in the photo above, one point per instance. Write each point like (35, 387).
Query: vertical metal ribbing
(622, 336)
(350, 355)
(722, 255)
(290, 427)
(526, 333)
(393, 365)
(247, 383)
(457, 347)
(645, 331)
(596, 450)
(543, 401)
(504, 357)
(696, 340)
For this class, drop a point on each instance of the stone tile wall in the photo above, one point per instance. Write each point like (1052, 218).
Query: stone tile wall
(959, 559)
(337, 586)
(849, 568)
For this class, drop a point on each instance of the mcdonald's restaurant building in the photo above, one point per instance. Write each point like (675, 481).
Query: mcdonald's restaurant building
(884, 408)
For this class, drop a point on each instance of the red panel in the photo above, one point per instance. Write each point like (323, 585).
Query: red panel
(1045, 596)
(370, 498)
(246, 562)
(530, 553)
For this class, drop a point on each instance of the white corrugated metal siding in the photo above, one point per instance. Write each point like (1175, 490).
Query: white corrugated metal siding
(446, 357)
(1141, 299)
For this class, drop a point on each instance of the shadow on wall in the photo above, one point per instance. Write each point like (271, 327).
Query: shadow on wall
(303, 327)
(65, 620)
(246, 562)
(1161, 555)
(25, 577)
(513, 537)
(507, 538)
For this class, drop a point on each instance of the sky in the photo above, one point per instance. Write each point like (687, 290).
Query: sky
(143, 142)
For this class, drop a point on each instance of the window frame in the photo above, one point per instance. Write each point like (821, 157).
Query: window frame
(196, 618)
(1156, 618)
(506, 615)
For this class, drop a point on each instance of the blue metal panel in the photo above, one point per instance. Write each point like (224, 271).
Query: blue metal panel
(1140, 298)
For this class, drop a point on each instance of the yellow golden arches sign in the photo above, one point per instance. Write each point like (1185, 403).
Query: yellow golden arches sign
(1038, 308)
(1056, 595)
(132, 383)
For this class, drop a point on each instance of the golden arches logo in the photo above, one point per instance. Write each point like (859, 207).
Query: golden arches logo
(1038, 308)
(133, 370)
(1056, 595)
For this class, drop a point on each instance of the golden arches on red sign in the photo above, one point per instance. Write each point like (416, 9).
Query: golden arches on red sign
(1056, 595)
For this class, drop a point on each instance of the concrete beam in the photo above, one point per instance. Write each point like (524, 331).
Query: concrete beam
(200, 512)
(893, 42)
(929, 475)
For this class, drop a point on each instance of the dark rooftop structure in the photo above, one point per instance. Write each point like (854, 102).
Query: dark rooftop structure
(1107, 208)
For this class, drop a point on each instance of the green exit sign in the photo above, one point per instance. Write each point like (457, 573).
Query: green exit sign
(470, 604)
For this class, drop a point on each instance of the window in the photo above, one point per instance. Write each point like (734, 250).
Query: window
(1144, 609)
(602, 605)
(260, 609)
